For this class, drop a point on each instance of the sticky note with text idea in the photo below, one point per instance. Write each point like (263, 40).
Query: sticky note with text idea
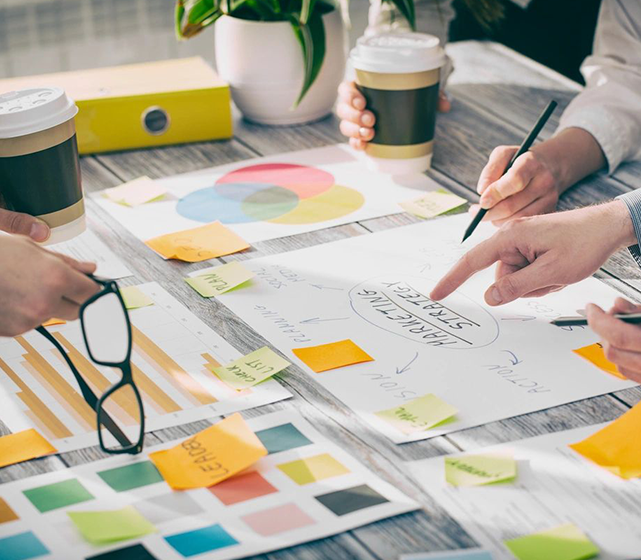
(616, 447)
(419, 414)
(251, 369)
(136, 192)
(198, 244)
(220, 280)
(479, 470)
(211, 456)
(433, 204)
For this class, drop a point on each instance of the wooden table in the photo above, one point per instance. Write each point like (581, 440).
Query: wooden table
(496, 94)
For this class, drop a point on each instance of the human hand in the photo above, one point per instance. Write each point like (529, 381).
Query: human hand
(36, 285)
(23, 224)
(541, 254)
(621, 341)
(356, 122)
(536, 180)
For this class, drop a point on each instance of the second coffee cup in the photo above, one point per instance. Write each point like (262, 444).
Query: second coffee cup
(399, 75)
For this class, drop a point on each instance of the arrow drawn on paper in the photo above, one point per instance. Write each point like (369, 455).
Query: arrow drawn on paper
(316, 320)
(513, 359)
(407, 367)
(321, 287)
(519, 318)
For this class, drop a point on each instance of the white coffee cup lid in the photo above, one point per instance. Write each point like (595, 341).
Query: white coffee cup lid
(28, 111)
(398, 53)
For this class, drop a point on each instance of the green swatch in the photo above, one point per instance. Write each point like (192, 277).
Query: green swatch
(102, 527)
(133, 476)
(58, 495)
(566, 542)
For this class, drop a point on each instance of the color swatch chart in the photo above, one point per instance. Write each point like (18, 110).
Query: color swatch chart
(171, 350)
(306, 488)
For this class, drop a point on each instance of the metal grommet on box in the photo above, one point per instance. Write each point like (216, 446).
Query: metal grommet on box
(155, 120)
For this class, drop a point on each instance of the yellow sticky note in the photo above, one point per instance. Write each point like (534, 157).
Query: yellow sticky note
(211, 456)
(477, 470)
(616, 447)
(419, 414)
(566, 542)
(102, 527)
(331, 356)
(53, 321)
(220, 280)
(23, 446)
(594, 354)
(198, 244)
(136, 192)
(433, 204)
(135, 298)
(251, 369)
(313, 469)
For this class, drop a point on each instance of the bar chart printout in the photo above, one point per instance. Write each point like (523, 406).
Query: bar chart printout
(172, 349)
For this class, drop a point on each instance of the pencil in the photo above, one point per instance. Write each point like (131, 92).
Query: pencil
(633, 318)
(524, 147)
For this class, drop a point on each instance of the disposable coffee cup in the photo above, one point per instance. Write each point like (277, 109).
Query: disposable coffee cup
(39, 165)
(399, 74)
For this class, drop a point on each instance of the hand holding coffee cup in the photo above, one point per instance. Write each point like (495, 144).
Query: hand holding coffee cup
(39, 164)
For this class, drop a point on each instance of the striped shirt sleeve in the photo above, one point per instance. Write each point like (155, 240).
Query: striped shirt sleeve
(633, 201)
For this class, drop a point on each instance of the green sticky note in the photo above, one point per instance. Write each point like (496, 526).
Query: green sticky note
(58, 495)
(419, 414)
(433, 204)
(249, 370)
(566, 542)
(102, 527)
(134, 298)
(476, 470)
(313, 469)
(220, 280)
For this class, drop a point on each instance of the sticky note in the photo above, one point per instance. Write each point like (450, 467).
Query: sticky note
(566, 542)
(332, 356)
(433, 204)
(220, 280)
(102, 527)
(51, 322)
(616, 447)
(251, 369)
(134, 298)
(313, 469)
(594, 353)
(198, 244)
(136, 192)
(210, 456)
(23, 446)
(477, 470)
(419, 414)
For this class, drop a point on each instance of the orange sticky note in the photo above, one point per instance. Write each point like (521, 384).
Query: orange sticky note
(333, 355)
(53, 321)
(198, 244)
(594, 354)
(616, 447)
(23, 446)
(211, 456)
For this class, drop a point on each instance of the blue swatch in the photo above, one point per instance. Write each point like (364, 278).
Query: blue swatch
(199, 541)
(282, 438)
(22, 547)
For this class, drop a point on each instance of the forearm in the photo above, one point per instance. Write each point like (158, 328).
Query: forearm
(571, 155)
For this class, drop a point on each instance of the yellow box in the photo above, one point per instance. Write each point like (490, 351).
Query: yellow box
(142, 105)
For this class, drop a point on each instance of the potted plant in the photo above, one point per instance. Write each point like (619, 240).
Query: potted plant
(283, 59)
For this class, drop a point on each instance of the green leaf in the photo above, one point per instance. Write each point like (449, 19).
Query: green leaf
(178, 18)
(311, 37)
(406, 7)
(200, 10)
(306, 9)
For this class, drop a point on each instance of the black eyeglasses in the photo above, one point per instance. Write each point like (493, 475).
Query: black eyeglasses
(106, 330)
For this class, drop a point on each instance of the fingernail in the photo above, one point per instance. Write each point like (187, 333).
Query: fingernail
(39, 232)
(367, 119)
(495, 295)
(364, 132)
(358, 103)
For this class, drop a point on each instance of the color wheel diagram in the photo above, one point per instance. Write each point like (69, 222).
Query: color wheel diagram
(276, 193)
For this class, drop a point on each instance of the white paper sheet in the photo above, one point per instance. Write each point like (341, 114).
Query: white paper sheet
(202, 508)
(89, 247)
(173, 361)
(554, 486)
(253, 204)
(490, 363)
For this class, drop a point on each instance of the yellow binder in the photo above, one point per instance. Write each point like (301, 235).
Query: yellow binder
(142, 105)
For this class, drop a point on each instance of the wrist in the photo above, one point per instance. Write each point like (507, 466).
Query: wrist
(617, 224)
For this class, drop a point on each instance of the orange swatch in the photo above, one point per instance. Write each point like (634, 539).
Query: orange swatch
(594, 354)
(331, 356)
(23, 446)
(198, 244)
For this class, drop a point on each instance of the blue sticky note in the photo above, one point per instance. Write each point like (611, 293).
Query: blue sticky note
(200, 541)
(23, 546)
(463, 554)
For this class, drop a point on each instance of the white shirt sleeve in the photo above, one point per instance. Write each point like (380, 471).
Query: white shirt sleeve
(609, 107)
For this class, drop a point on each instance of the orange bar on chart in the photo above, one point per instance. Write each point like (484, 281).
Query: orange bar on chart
(155, 393)
(46, 420)
(167, 367)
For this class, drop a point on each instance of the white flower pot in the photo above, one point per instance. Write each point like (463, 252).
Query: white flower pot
(263, 63)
